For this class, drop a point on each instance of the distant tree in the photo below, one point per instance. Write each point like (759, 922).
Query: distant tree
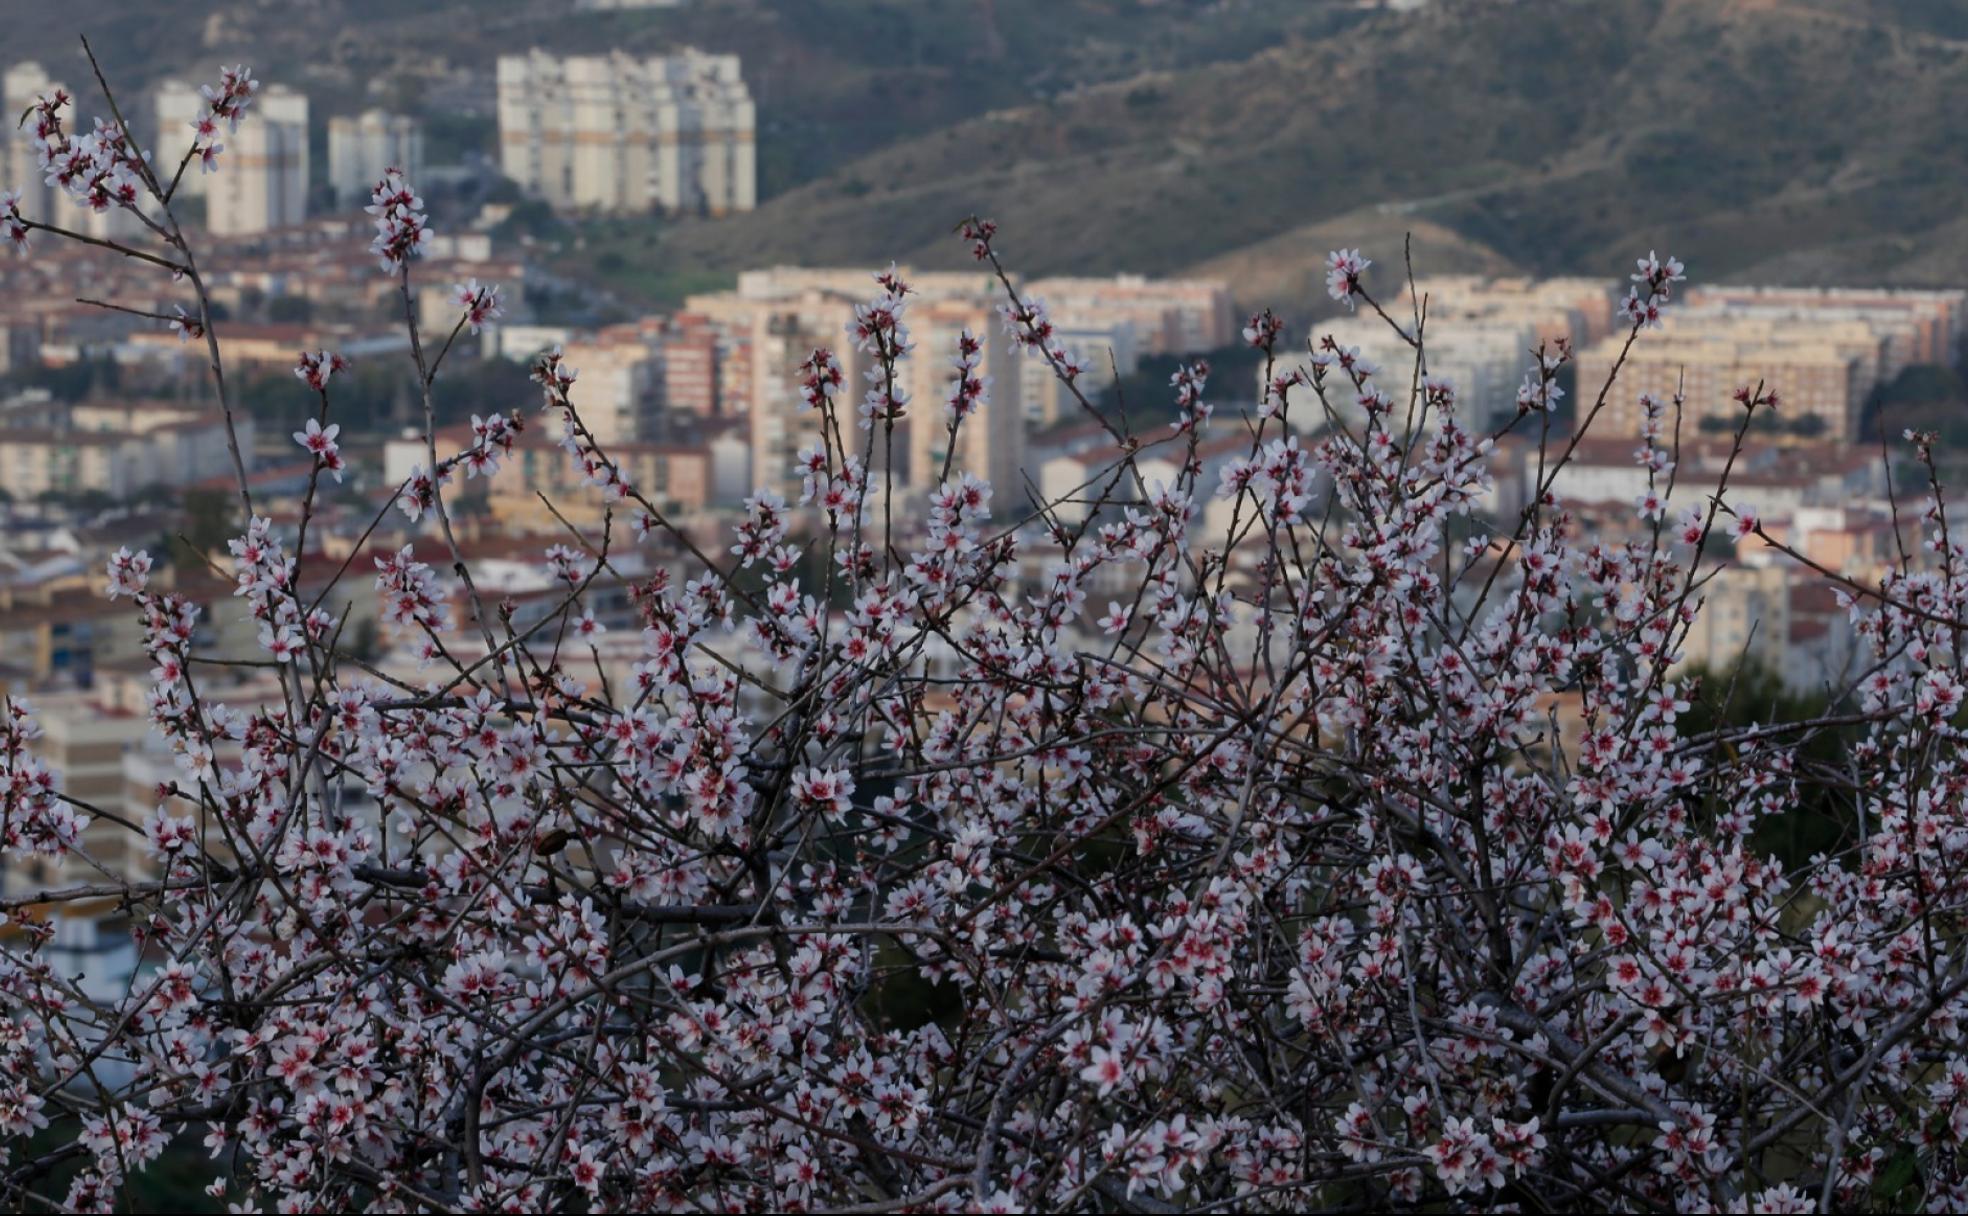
(1924, 383)
(210, 519)
(290, 309)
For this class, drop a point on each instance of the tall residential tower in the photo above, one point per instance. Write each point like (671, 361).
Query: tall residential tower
(611, 133)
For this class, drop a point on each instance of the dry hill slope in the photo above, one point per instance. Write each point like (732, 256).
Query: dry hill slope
(1745, 134)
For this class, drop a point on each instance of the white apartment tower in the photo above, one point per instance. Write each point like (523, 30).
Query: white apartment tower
(262, 179)
(611, 133)
(362, 148)
(175, 107)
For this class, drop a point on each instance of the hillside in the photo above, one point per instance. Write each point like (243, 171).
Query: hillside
(1769, 137)
(833, 79)
(1800, 140)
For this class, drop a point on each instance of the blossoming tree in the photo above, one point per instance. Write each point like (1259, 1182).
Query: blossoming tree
(1274, 887)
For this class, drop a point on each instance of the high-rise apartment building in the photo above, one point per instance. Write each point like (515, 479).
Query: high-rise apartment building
(617, 392)
(1911, 326)
(262, 178)
(789, 312)
(612, 133)
(361, 148)
(176, 106)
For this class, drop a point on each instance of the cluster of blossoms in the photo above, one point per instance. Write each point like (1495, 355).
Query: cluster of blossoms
(13, 225)
(1031, 330)
(968, 391)
(879, 330)
(480, 303)
(1343, 270)
(1540, 391)
(264, 575)
(1263, 330)
(35, 820)
(316, 368)
(979, 233)
(556, 380)
(402, 228)
(102, 168)
(820, 379)
(319, 442)
(1652, 285)
(99, 169)
(224, 103)
(894, 873)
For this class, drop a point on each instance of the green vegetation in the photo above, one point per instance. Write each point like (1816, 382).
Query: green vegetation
(1753, 695)
(450, 137)
(379, 396)
(626, 256)
(1643, 125)
(209, 518)
(1146, 393)
(78, 381)
(175, 1182)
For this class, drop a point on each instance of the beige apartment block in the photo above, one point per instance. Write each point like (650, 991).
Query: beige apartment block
(789, 312)
(262, 179)
(1812, 372)
(991, 443)
(176, 106)
(117, 450)
(1910, 326)
(86, 742)
(616, 392)
(616, 134)
(1579, 310)
(1168, 316)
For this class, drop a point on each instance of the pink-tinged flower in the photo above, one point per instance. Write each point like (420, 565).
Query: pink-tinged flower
(282, 643)
(1781, 1198)
(317, 439)
(128, 572)
(186, 326)
(1106, 1070)
(315, 368)
(480, 303)
(1746, 523)
(419, 493)
(979, 233)
(584, 1170)
(1263, 330)
(1343, 270)
(228, 100)
(402, 228)
(12, 224)
(320, 442)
